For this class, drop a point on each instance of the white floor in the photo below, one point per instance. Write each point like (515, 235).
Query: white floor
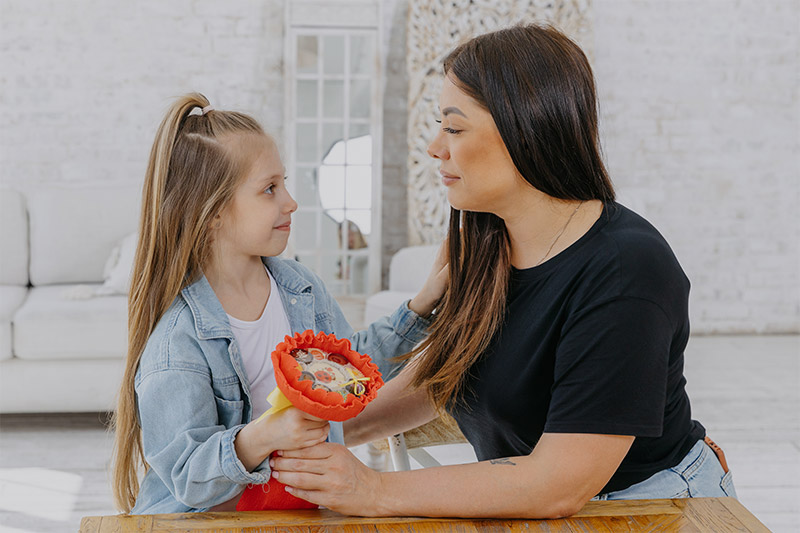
(745, 390)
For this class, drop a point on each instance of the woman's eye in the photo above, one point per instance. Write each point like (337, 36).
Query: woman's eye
(270, 189)
(449, 130)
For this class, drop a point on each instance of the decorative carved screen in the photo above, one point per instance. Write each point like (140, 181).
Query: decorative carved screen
(434, 28)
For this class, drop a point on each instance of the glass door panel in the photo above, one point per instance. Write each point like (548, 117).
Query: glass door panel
(334, 119)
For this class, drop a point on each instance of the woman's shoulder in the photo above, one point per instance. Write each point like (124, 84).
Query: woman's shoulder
(637, 258)
(635, 242)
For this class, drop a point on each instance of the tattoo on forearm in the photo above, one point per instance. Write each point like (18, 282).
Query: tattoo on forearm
(503, 461)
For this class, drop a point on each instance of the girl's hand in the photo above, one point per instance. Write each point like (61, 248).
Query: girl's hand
(328, 474)
(289, 429)
(429, 295)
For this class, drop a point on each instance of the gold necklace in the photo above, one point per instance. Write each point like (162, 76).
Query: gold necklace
(559, 235)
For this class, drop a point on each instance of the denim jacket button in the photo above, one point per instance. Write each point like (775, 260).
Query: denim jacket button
(294, 301)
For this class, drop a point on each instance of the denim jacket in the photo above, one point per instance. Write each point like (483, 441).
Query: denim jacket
(193, 396)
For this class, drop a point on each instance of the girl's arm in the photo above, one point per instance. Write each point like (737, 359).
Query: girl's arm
(398, 333)
(563, 472)
(186, 441)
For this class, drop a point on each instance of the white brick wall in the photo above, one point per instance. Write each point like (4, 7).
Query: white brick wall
(699, 100)
(701, 129)
(84, 84)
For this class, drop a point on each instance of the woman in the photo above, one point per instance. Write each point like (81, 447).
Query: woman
(558, 346)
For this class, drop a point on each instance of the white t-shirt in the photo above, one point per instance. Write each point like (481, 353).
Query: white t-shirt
(257, 340)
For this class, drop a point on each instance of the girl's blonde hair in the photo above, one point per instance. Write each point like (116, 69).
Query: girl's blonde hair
(191, 176)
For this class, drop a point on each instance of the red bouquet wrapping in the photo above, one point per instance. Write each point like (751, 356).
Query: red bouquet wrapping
(324, 377)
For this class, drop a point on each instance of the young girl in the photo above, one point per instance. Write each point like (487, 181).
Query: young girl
(209, 301)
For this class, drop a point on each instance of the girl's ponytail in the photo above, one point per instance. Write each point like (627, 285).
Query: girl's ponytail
(190, 177)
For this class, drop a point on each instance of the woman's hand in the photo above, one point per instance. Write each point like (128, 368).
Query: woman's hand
(328, 474)
(432, 291)
(289, 429)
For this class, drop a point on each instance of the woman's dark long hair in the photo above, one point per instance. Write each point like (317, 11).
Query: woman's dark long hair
(539, 88)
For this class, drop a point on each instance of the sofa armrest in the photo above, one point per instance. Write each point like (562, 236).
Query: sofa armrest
(410, 266)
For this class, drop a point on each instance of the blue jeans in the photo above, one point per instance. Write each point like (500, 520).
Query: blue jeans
(698, 475)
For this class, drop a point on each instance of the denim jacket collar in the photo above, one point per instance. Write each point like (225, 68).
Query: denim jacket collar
(210, 318)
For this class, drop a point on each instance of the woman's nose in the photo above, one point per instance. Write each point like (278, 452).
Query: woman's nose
(437, 150)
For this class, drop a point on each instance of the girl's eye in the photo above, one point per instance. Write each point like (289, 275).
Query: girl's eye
(270, 189)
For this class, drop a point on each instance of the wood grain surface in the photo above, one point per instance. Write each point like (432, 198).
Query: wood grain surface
(717, 515)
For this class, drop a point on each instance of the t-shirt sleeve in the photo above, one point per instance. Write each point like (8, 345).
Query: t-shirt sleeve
(610, 371)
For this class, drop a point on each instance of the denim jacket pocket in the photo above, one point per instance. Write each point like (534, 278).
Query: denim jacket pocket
(229, 411)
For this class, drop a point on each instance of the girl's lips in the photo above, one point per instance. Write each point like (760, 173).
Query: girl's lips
(284, 227)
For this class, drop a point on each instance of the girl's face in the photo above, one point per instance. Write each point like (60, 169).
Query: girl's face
(257, 221)
(475, 165)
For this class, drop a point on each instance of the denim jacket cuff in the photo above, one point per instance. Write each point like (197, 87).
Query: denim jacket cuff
(336, 434)
(409, 324)
(233, 468)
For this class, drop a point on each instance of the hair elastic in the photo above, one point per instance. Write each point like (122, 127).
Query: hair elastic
(206, 109)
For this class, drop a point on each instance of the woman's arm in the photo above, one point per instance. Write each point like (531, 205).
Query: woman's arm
(563, 472)
(397, 408)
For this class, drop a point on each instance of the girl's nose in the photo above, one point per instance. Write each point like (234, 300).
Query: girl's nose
(290, 206)
(437, 150)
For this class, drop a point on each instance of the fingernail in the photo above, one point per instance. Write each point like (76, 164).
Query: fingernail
(289, 489)
(272, 463)
(275, 474)
(279, 453)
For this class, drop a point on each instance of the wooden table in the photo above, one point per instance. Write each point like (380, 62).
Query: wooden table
(717, 515)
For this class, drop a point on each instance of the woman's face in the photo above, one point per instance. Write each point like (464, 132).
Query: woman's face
(475, 165)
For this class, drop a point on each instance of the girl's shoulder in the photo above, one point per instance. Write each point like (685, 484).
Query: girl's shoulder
(174, 342)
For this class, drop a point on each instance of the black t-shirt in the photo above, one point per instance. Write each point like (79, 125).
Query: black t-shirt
(592, 342)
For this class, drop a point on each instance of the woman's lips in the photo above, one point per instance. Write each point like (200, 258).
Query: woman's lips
(448, 179)
(284, 227)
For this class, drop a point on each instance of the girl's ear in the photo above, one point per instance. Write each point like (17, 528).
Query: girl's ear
(216, 222)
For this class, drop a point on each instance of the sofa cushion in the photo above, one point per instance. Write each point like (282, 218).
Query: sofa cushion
(384, 303)
(13, 238)
(74, 229)
(59, 386)
(50, 325)
(410, 267)
(10, 299)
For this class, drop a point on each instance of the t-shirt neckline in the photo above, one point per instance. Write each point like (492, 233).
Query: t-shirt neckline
(535, 272)
(274, 298)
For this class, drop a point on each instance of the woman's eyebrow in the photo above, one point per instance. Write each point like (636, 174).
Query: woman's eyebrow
(447, 110)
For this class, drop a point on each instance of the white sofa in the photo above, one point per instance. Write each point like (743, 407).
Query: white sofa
(63, 310)
(408, 271)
